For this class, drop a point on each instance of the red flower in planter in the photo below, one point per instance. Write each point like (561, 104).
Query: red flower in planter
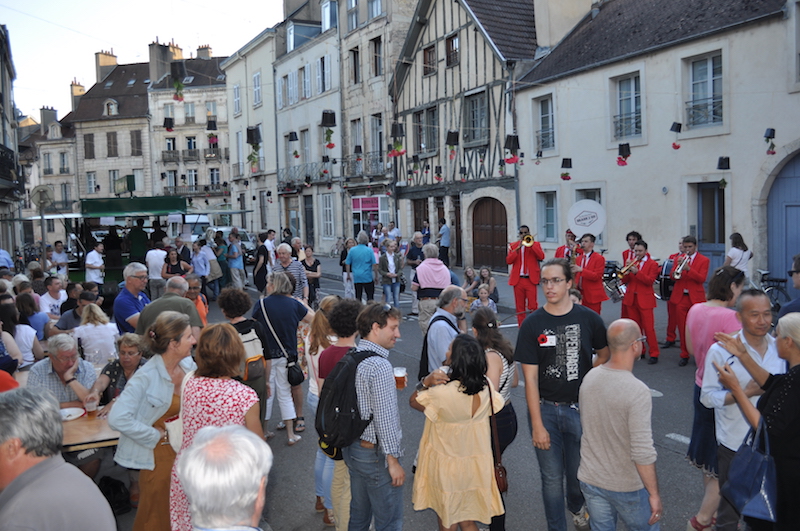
(565, 176)
(621, 161)
(169, 129)
(330, 145)
(325, 171)
(770, 152)
(675, 145)
(513, 159)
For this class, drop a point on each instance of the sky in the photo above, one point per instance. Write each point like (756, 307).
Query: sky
(54, 42)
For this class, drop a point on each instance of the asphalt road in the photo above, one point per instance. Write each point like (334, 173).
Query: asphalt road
(290, 494)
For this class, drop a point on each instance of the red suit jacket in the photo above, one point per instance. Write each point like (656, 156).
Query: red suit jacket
(692, 280)
(641, 285)
(562, 252)
(628, 255)
(592, 278)
(533, 255)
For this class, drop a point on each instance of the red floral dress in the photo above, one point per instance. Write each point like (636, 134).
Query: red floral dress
(206, 402)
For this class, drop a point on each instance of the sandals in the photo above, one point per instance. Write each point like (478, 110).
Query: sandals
(694, 525)
(269, 435)
(294, 440)
(299, 425)
(281, 426)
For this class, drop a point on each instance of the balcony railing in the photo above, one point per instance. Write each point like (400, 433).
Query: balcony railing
(189, 120)
(212, 153)
(59, 205)
(629, 124)
(171, 156)
(194, 190)
(370, 164)
(63, 169)
(312, 170)
(191, 154)
(7, 163)
(238, 169)
(48, 171)
(704, 112)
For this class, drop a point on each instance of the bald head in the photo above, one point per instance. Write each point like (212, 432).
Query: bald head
(622, 334)
(178, 285)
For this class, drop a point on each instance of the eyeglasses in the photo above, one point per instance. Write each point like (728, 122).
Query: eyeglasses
(195, 288)
(462, 299)
(140, 277)
(131, 354)
(792, 272)
(386, 308)
(551, 281)
(640, 340)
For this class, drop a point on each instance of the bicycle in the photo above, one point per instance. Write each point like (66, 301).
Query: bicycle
(775, 288)
(337, 248)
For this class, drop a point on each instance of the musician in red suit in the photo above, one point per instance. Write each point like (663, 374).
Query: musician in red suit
(628, 256)
(688, 288)
(571, 247)
(672, 317)
(588, 273)
(524, 276)
(640, 299)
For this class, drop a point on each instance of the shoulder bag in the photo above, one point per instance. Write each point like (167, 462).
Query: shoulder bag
(500, 474)
(752, 483)
(174, 426)
(293, 371)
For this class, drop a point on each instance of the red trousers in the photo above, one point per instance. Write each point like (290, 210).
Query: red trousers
(681, 311)
(625, 314)
(525, 298)
(644, 318)
(594, 306)
(672, 320)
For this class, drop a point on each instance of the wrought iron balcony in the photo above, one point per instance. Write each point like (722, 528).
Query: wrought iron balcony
(238, 169)
(195, 190)
(626, 125)
(48, 171)
(369, 164)
(59, 205)
(171, 156)
(704, 112)
(314, 171)
(191, 154)
(545, 139)
(212, 153)
(64, 169)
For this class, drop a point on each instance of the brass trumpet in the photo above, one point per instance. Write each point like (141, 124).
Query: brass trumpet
(527, 241)
(625, 270)
(681, 266)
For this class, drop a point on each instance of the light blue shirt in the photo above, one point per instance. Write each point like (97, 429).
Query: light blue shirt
(444, 234)
(238, 262)
(147, 396)
(201, 265)
(361, 259)
(5, 259)
(42, 375)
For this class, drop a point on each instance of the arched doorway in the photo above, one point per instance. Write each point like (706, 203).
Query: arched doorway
(489, 232)
(783, 220)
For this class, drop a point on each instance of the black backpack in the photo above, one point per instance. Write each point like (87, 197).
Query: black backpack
(339, 421)
(423, 359)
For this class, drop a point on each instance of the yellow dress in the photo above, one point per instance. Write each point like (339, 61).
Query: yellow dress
(455, 470)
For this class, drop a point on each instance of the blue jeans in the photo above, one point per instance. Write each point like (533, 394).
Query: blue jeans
(323, 465)
(606, 506)
(372, 490)
(392, 292)
(563, 423)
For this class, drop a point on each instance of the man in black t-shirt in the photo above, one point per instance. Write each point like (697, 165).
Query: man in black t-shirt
(555, 346)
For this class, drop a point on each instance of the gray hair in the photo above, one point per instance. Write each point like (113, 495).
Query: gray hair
(31, 415)
(414, 236)
(449, 294)
(221, 474)
(430, 250)
(178, 285)
(296, 239)
(362, 238)
(132, 269)
(284, 247)
(281, 285)
(193, 276)
(61, 343)
(789, 326)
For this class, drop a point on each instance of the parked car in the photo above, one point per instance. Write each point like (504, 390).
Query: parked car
(248, 243)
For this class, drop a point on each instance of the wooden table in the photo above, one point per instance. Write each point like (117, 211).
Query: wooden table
(83, 433)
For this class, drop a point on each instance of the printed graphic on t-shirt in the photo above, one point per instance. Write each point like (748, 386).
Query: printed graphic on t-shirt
(564, 364)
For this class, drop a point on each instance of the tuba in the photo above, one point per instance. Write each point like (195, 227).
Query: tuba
(681, 265)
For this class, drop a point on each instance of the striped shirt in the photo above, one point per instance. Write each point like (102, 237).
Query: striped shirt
(42, 375)
(299, 272)
(375, 389)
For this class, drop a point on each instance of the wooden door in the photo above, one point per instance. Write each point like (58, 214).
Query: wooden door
(489, 234)
(711, 223)
(783, 220)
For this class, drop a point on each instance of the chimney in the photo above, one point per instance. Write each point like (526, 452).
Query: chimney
(48, 116)
(104, 64)
(555, 19)
(159, 60)
(76, 90)
(204, 52)
(176, 51)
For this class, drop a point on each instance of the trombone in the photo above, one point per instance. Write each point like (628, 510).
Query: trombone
(625, 270)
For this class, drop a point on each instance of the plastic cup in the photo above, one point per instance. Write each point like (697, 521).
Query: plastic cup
(400, 377)
(91, 407)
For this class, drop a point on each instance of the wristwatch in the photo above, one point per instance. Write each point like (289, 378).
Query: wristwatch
(70, 381)
(421, 386)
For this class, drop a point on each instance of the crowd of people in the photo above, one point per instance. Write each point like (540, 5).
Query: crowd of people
(221, 379)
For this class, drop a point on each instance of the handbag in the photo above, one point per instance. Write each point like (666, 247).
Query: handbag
(293, 371)
(174, 426)
(752, 484)
(500, 474)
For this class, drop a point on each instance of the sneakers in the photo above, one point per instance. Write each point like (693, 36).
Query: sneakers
(581, 519)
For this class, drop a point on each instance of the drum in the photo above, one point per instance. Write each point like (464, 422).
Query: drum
(665, 281)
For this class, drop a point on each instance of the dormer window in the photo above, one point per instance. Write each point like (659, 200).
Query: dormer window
(54, 132)
(290, 37)
(110, 108)
(188, 79)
